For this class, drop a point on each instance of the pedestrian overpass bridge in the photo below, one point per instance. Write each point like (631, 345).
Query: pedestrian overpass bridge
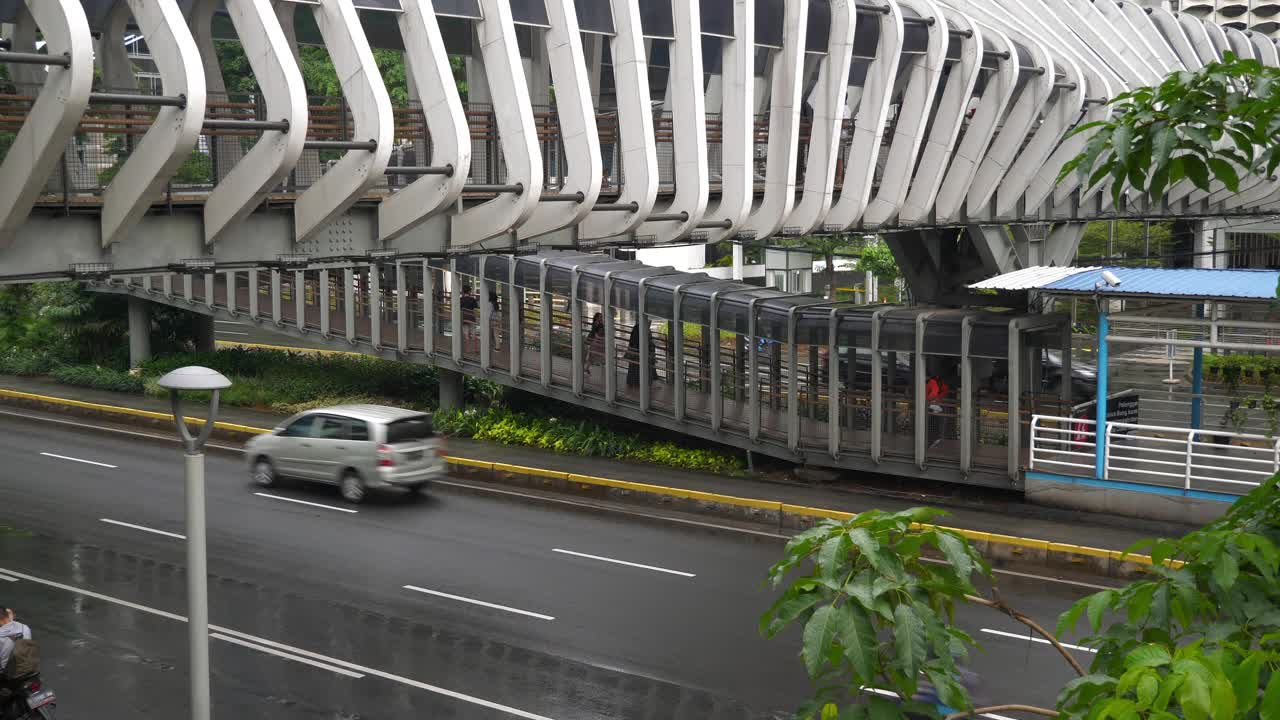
(587, 124)
(358, 220)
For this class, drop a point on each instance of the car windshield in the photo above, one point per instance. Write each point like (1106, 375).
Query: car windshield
(409, 429)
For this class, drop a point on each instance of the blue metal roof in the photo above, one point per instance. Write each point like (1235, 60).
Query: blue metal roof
(1175, 282)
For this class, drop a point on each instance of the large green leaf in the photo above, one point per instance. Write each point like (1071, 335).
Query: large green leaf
(956, 551)
(1148, 686)
(1269, 709)
(909, 640)
(833, 556)
(785, 610)
(1121, 140)
(1148, 656)
(1225, 571)
(818, 635)
(1225, 173)
(858, 637)
(1193, 696)
(1098, 604)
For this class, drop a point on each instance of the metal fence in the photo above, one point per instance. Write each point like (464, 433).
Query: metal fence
(1185, 458)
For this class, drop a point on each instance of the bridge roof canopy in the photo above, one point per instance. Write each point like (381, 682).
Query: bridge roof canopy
(1186, 284)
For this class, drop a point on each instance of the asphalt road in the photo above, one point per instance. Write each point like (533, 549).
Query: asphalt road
(520, 609)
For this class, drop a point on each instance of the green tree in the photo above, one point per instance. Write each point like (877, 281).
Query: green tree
(1217, 123)
(1131, 239)
(1198, 639)
(826, 247)
(878, 259)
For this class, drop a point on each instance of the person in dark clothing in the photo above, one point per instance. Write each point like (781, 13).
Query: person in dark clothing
(633, 357)
(470, 313)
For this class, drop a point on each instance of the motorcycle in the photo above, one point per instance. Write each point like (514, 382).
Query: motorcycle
(31, 700)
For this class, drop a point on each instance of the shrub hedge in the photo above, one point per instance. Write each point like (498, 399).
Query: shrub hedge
(583, 437)
(98, 378)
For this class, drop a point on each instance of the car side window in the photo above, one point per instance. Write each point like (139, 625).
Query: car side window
(357, 430)
(301, 427)
(330, 428)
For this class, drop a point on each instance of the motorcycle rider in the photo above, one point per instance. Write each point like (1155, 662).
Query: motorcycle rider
(10, 631)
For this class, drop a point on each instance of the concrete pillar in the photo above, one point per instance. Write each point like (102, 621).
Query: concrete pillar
(139, 331)
(202, 325)
(451, 396)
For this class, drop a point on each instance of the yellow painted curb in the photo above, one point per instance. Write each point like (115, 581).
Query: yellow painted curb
(150, 415)
(1019, 544)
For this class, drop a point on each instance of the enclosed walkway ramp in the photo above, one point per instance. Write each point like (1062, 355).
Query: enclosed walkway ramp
(792, 377)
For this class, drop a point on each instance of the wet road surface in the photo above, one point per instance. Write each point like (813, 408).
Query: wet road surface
(446, 606)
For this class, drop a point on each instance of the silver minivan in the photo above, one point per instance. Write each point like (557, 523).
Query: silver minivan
(356, 447)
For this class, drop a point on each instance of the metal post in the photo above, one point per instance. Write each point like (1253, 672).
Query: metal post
(186, 289)
(610, 342)
(716, 398)
(324, 303)
(276, 314)
(575, 331)
(833, 383)
(428, 309)
(1100, 448)
(485, 315)
(1015, 397)
(197, 585)
(300, 299)
(253, 292)
(349, 302)
(676, 351)
(375, 305)
(455, 309)
(753, 372)
(793, 379)
(402, 314)
(966, 395)
(544, 324)
(920, 381)
(1197, 379)
(645, 369)
(208, 290)
(877, 388)
(515, 317)
(232, 300)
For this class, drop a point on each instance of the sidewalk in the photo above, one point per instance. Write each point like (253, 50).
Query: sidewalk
(983, 511)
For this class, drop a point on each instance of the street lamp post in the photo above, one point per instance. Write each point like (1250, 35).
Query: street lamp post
(195, 378)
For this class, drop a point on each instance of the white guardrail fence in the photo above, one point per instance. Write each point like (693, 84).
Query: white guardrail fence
(1184, 458)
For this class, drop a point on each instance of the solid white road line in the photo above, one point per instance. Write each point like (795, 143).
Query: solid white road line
(6, 578)
(72, 459)
(277, 653)
(473, 601)
(624, 562)
(305, 502)
(281, 646)
(227, 322)
(143, 528)
(1040, 640)
(228, 332)
(894, 695)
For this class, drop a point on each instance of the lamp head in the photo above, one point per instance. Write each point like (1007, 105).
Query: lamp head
(194, 377)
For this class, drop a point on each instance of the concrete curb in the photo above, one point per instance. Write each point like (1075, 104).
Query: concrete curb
(1001, 550)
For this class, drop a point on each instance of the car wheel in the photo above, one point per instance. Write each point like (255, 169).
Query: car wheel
(418, 489)
(264, 474)
(352, 487)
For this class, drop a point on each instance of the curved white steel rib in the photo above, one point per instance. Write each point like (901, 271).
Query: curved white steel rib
(358, 170)
(517, 134)
(577, 118)
(869, 122)
(828, 101)
(54, 115)
(637, 150)
(992, 106)
(784, 125)
(688, 127)
(1175, 36)
(173, 134)
(922, 76)
(948, 118)
(737, 123)
(268, 162)
(445, 120)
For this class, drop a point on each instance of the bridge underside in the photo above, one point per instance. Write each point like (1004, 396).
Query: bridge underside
(669, 123)
(798, 378)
